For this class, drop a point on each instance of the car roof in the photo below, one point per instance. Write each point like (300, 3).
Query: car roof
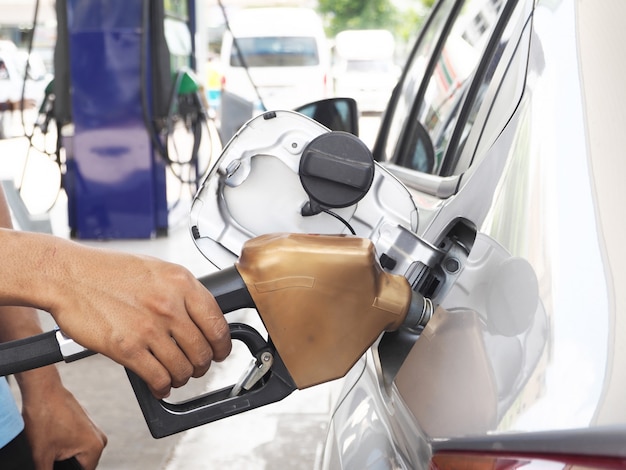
(251, 22)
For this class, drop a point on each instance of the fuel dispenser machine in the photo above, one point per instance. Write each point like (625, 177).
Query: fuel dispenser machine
(121, 68)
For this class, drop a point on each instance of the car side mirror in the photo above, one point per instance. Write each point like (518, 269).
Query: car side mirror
(337, 114)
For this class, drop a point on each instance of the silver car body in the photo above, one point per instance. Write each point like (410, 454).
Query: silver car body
(526, 354)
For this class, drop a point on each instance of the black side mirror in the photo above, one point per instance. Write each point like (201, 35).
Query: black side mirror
(338, 114)
(418, 152)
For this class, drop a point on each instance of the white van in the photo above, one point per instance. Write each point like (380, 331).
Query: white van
(287, 56)
(364, 67)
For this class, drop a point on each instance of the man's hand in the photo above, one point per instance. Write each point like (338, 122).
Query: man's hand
(151, 316)
(56, 425)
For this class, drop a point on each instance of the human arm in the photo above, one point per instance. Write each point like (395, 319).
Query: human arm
(56, 425)
(151, 316)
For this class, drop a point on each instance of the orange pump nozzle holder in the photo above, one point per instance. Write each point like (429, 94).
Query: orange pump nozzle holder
(324, 300)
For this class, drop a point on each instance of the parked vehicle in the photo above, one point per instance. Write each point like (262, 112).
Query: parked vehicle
(272, 58)
(505, 130)
(506, 122)
(364, 67)
(14, 81)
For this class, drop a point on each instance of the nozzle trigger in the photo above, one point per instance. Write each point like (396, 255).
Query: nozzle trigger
(258, 368)
(267, 381)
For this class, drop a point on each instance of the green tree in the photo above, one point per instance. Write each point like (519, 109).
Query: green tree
(358, 14)
(374, 14)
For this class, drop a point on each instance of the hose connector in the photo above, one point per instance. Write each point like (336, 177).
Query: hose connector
(420, 312)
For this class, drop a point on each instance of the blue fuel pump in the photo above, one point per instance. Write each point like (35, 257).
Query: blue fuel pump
(121, 75)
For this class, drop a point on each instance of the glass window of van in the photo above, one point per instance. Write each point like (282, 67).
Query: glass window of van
(276, 52)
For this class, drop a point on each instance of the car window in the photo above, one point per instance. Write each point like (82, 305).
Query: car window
(276, 52)
(448, 84)
(497, 94)
(369, 66)
(438, 98)
(414, 75)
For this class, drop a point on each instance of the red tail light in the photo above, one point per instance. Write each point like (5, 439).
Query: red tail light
(476, 461)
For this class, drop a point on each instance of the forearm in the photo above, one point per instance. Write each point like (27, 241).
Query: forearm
(43, 271)
(27, 263)
(33, 268)
(56, 425)
(19, 322)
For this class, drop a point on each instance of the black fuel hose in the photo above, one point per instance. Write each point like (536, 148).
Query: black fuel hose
(29, 353)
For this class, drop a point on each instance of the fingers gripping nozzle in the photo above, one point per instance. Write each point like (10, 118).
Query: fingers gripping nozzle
(164, 418)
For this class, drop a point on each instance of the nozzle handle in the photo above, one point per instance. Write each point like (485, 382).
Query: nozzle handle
(164, 418)
(228, 288)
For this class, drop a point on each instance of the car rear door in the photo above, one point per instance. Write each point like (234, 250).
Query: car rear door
(462, 85)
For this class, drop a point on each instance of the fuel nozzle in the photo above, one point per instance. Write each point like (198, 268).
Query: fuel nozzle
(325, 299)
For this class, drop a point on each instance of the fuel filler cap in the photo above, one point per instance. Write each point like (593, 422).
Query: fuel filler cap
(336, 170)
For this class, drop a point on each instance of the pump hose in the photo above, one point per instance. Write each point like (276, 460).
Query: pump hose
(29, 353)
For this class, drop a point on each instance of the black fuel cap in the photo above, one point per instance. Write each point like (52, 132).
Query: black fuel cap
(336, 170)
